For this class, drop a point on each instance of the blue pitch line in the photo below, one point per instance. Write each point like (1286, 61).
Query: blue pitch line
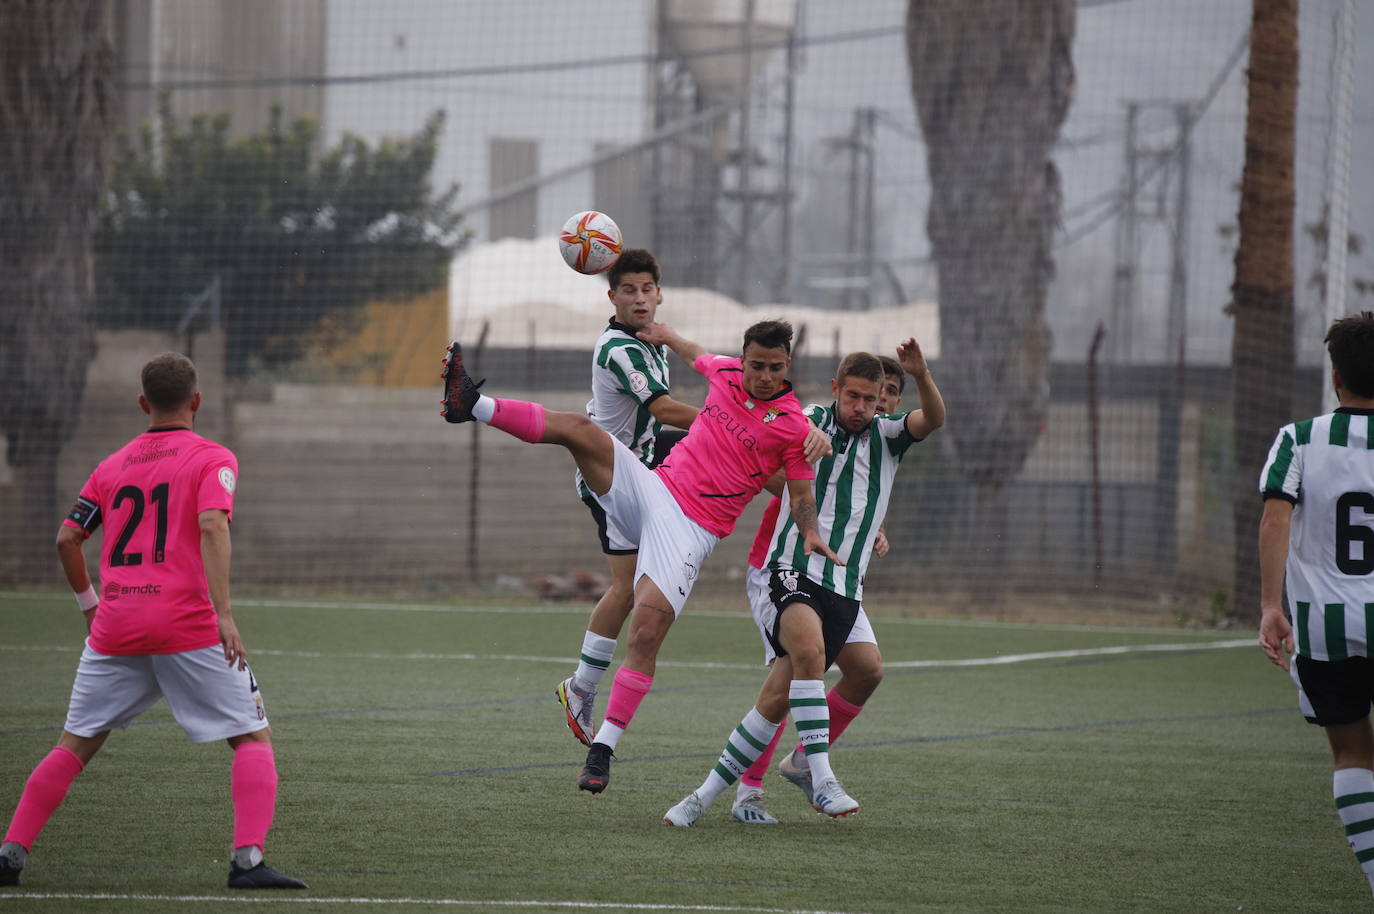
(910, 741)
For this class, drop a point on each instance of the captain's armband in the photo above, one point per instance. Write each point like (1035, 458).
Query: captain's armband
(85, 514)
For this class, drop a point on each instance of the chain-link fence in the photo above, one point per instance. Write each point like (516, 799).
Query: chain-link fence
(310, 197)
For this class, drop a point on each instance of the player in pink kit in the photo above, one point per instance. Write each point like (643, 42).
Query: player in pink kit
(750, 427)
(162, 626)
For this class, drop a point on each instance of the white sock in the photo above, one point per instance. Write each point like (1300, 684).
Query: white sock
(247, 857)
(811, 714)
(597, 651)
(1353, 789)
(743, 747)
(609, 734)
(484, 408)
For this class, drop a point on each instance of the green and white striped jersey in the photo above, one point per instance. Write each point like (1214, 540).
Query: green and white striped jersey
(1325, 467)
(852, 489)
(627, 375)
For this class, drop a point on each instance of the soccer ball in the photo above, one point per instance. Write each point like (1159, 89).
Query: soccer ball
(590, 242)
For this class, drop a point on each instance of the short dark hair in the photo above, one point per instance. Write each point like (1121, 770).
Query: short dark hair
(633, 260)
(169, 381)
(863, 365)
(769, 335)
(892, 367)
(1350, 341)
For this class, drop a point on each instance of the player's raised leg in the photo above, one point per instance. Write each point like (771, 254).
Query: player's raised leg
(590, 446)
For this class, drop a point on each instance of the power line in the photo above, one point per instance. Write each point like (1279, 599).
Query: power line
(1155, 165)
(553, 66)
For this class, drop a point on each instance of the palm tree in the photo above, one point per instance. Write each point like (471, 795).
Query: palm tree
(992, 80)
(56, 120)
(1262, 349)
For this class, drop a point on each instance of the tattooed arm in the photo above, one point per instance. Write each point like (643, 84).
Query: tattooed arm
(804, 516)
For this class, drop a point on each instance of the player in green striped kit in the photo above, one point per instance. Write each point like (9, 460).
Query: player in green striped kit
(630, 401)
(1318, 526)
(805, 609)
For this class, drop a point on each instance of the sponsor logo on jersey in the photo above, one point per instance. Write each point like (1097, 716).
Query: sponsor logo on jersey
(226, 479)
(113, 591)
(151, 451)
(730, 425)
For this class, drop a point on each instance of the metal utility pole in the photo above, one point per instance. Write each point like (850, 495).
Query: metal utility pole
(746, 153)
(1176, 335)
(1127, 248)
(1156, 191)
(859, 235)
(782, 284)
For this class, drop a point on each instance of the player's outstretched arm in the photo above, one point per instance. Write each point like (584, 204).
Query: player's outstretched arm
(673, 412)
(803, 505)
(659, 334)
(1275, 633)
(214, 552)
(921, 422)
(69, 543)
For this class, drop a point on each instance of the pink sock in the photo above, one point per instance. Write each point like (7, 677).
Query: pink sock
(754, 776)
(842, 714)
(44, 791)
(627, 691)
(253, 786)
(520, 418)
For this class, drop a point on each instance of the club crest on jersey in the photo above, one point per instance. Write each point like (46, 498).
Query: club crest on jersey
(773, 413)
(790, 579)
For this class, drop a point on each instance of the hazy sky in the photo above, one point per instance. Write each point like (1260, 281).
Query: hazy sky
(1156, 50)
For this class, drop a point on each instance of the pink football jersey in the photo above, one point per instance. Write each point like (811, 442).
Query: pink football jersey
(154, 598)
(735, 445)
(758, 552)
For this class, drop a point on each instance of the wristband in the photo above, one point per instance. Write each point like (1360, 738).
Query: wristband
(87, 599)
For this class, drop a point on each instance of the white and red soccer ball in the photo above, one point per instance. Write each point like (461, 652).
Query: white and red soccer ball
(590, 242)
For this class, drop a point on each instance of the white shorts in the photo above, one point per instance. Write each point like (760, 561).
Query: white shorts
(672, 546)
(763, 610)
(613, 539)
(208, 698)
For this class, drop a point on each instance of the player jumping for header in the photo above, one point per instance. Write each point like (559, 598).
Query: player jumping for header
(750, 427)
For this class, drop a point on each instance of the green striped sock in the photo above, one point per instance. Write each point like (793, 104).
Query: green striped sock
(811, 714)
(595, 660)
(1354, 792)
(742, 748)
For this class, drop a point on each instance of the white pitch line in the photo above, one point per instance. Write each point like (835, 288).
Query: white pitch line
(998, 660)
(464, 902)
(548, 609)
(1081, 652)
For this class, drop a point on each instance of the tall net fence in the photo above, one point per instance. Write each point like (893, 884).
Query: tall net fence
(311, 197)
